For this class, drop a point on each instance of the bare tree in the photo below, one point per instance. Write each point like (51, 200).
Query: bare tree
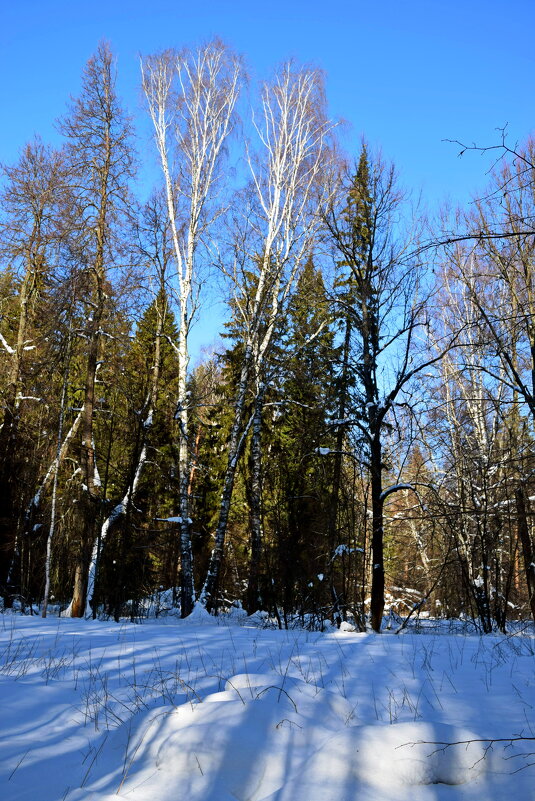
(475, 461)
(498, 277)
(30, 203)
(387, 308)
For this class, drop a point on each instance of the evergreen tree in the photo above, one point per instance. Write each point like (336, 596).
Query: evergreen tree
(298, 479)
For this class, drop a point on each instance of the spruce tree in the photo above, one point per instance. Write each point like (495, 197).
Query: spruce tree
(298, 479)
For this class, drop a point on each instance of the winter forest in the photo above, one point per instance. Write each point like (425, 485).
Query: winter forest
(357, 446)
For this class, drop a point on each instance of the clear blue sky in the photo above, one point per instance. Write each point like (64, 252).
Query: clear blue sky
(405, 73)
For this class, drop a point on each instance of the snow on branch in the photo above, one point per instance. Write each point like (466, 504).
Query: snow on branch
(395, 488)
(7, 347)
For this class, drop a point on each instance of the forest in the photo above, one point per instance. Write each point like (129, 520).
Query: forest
(357, 445)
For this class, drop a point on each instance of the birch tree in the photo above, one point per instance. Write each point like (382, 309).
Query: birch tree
(475, 462)
(274, 235)
(494, 272)
(498, 275)
(191, 98)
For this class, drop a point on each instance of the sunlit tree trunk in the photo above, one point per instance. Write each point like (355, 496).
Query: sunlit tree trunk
(254, 600)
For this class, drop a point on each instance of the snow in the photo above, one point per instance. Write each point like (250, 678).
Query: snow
(7, 347)
(395, 488)
(221, 709)
(343, 548)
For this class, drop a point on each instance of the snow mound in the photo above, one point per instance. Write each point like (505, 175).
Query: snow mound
(236, 613)
(250, 737)
(416, 754)
(259, 618)
(200, 615)
(333, 708)
(260, 739)
(233, 745)
(401, 755)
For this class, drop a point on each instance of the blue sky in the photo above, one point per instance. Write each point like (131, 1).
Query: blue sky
(407, 75)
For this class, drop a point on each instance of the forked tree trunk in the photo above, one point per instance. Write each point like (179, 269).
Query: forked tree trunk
(290, 185)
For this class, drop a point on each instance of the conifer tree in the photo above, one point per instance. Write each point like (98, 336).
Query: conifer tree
(301, 482)
(144, 453)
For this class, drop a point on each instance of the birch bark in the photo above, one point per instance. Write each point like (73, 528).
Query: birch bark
(191, 99)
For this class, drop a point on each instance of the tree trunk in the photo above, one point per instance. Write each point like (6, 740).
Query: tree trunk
(187, 592)
(254, 600)
(378, 569)
(237, 440)
(334, 500)
(59, 448)
(527, 549)
(89, 501)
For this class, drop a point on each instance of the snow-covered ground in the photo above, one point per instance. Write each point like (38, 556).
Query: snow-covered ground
(206, 710)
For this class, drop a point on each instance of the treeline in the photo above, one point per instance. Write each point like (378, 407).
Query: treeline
(363, 438)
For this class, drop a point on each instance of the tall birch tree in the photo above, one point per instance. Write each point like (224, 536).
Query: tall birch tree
(191, 98)
(274, 236)
(499, 277)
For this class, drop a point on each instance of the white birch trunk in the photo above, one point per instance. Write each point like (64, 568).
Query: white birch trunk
(119, 511)
(200, 119)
